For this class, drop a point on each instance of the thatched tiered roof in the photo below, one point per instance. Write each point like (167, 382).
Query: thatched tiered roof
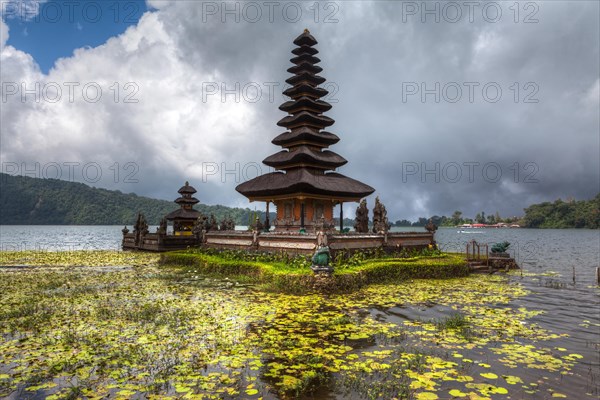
(303, 165)
(186, 203)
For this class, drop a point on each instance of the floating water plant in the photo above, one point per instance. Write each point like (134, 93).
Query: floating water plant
(173, 332)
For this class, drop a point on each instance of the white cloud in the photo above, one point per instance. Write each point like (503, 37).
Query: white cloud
(3, 34)
(592, 97)
(169, 128)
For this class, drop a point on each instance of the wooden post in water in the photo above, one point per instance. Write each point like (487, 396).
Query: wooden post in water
(487, 256)
(573, 274)
(598, 276)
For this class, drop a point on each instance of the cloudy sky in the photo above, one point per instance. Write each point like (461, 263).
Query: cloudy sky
(441, 106)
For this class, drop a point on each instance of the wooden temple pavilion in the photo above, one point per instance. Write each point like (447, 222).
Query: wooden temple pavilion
(305, 187)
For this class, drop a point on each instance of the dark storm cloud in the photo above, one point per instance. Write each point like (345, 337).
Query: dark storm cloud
(538, 141)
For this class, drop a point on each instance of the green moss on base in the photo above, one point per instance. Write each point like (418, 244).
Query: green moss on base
(285, 277)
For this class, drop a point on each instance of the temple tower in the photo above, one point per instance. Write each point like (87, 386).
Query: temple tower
(305, 187)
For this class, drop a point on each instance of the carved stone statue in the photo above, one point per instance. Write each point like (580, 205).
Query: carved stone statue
(140, 229)
(199, 228)
(320, 260)
(321, 238)
(320, 224)
(256, 230)
(500, 247)
(162, 228)
(258, 225)
(361, 223)
(227, 224)
(212, 225)
(431, 227)
(380, 220)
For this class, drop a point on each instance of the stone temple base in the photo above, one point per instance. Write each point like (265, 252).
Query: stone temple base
(159, 243)
(318, 269)
(295, 243)
(274, 242)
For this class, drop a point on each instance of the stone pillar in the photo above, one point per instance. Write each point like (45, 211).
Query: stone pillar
(267, 222)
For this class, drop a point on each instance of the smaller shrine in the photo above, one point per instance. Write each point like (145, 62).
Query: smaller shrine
(185, 217)
(187, 227)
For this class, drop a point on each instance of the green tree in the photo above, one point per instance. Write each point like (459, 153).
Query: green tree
(457, 217)
(561, 214)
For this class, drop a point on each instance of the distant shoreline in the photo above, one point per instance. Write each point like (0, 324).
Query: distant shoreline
(403, 227)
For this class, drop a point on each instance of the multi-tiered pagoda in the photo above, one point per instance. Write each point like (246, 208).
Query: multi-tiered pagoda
(184, 217)
(305, 187)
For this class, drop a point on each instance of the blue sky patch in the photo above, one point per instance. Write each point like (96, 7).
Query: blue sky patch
(52, 30)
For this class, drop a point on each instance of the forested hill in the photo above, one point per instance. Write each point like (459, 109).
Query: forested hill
(564, 214)
(33, 201)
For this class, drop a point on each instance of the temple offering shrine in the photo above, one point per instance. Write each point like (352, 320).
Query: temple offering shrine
(305, 187)
(185, 217)
(185, 227)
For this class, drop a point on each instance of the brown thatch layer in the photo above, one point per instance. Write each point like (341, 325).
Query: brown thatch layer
(186, 189)
(183, 214)
(305, 58)
(306, 157)
(307, 78)
(302, 181)
(304, 67)
(303, 89)
(305, 50)
(305, 104)
(306, 134)
(187, 200)
(305, 118)
(305, 39)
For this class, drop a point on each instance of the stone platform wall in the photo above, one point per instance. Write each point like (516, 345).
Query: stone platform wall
(306, 244)
(292, 243)
(156, 242)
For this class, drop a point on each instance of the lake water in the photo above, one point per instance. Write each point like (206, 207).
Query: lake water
(563, 284)
(538, 250)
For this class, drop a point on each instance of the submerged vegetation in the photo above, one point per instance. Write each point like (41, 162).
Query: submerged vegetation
(174, 332)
